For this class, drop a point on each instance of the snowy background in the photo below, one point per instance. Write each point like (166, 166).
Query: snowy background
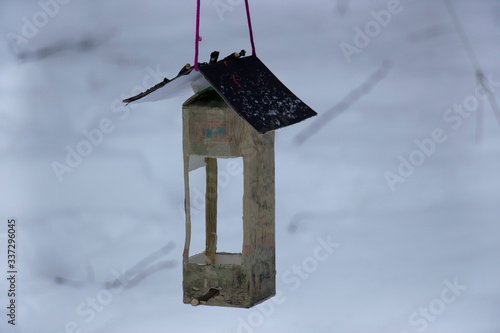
(400, 250)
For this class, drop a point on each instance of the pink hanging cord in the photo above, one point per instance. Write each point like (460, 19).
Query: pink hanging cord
(196, 50)
(198, 38)
(250, 27)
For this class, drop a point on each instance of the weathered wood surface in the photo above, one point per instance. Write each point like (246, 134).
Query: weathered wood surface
(213, 130)
(233, 282)
(211, 208)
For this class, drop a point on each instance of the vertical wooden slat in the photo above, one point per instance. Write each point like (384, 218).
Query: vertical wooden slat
(211, 209)
(187, 198)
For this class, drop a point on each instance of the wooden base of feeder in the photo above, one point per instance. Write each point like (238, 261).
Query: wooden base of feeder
(230, 279)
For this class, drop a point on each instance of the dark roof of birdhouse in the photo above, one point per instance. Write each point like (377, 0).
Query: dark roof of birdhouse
(250, 89)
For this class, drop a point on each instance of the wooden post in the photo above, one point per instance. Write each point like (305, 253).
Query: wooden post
(211, 209)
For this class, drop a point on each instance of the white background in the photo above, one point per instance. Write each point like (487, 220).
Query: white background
(124, 201)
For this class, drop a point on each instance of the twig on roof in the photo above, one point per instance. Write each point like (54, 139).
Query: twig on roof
(147, 92)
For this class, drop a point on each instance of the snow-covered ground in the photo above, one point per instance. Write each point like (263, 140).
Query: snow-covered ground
(417, 253)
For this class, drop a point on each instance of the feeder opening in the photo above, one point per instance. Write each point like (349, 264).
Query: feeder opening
(216, 190)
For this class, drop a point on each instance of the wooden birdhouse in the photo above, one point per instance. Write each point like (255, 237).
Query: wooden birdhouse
(237, 105)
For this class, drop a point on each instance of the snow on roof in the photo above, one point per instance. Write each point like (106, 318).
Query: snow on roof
(246, 85)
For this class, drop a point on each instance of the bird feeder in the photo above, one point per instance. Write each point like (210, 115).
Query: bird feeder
(237, 106)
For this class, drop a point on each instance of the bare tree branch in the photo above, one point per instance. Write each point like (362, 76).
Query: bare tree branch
(82, 45)
(480, 77)
(145, 268)
(346, 103)
(74, 283)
